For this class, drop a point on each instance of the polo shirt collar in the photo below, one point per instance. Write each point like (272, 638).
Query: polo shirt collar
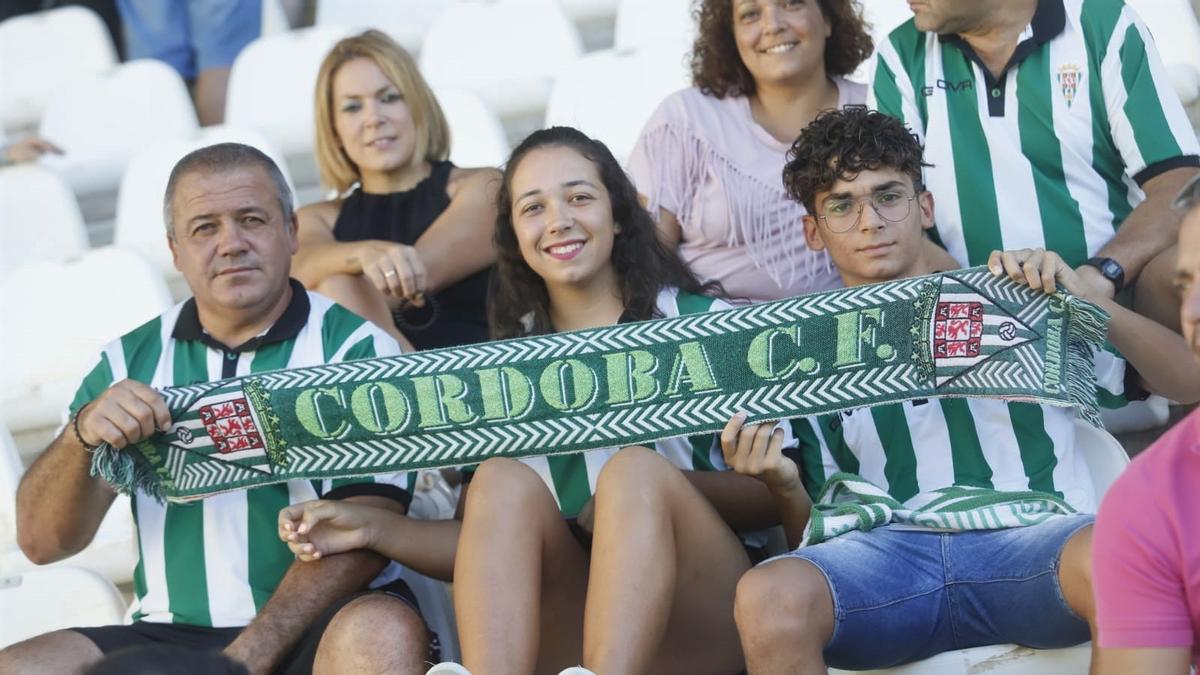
(295, 315)
(1049, 21)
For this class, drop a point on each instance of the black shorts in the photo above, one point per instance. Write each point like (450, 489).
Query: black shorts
(298, 662)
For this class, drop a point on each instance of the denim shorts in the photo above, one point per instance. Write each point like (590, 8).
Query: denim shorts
(902, 595)
(189, 35)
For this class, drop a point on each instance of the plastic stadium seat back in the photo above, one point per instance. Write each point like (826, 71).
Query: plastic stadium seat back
(39, 218)
(584, 95)
(42, 53)
(1176, 33)
(58, 331)
(476, 135)
(407, 21)
(654, 24)
(508, 52)
(43, 600)
(140, 226)
(272, 82)
(101, 121)
(590, 10)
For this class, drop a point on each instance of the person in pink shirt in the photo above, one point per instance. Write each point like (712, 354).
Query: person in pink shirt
(1146, 547)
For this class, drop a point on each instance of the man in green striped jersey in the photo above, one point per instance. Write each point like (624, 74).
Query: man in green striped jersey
(213, 574)
(953, 545)
(1049, 124)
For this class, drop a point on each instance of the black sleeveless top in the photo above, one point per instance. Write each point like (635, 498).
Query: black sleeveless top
(455, 315)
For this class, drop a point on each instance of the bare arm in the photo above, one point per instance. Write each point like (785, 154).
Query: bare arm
(1168, 661)
(320, 528)
(756, 452)
(306, 590)
(59, 504)
(320, 255)
(1162, 358)
(459, 243)
(1151, 228)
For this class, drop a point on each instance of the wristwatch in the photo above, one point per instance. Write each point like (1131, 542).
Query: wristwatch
(1109, 269)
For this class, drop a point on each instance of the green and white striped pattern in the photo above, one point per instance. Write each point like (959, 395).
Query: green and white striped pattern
(1084, 114)
(572, 478)
(849, 502)
(216, 561)
(630, 384)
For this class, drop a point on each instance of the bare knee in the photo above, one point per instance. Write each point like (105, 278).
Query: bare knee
(631, 471)
(504, 488)
(62, 651)
(784, 604)
(373, 633)
(1075, 574)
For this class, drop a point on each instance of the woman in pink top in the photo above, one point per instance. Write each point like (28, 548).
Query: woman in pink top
(709, 161)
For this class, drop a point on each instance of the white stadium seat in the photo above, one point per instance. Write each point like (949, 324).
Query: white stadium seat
(654, 24)
(100, 122)
(43, 600)
(584, 93)
(1105, 459)
(42, 53)
(140, 225)
(476, 135)
(407, 21)
(39, 218)
(51, 337)
(112, 552)
(1177, 36)
(274, 18)
(590, 10)
(272, 82)
(508, 52)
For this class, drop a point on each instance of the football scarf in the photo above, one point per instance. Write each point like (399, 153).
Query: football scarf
(849, 502)
(961, 333)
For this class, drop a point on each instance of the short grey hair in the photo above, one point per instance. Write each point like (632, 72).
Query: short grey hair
(225, 157)
(1189, 196)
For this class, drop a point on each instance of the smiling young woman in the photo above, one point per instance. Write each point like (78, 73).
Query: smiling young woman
(548, 541)
(407, 241)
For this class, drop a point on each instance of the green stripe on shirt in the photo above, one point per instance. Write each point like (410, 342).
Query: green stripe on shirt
(1151, 131)
(1038, 142)
(972, 161)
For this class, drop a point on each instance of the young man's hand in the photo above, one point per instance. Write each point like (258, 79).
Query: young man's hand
(1041, 270)
(757, 450)
(319, 528)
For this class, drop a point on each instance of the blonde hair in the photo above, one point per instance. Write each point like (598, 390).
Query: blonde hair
(433, 134)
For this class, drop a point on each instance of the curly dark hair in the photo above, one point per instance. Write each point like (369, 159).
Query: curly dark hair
(643, 265)
(842, 144)
(717, 68)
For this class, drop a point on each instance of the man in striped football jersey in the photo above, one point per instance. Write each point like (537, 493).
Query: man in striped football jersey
(982, 568)
(213, 574)
(1049, 124)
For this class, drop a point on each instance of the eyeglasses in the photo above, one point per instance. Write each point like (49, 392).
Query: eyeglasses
(842, 215)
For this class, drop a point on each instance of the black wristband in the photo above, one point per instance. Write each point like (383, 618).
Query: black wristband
(75, 428)
(1109, 269)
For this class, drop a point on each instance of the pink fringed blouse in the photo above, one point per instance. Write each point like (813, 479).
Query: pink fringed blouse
(710, 164)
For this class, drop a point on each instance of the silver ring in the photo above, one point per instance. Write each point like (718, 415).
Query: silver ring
(390, 273)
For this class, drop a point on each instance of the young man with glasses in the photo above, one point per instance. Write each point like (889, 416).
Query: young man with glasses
(876, 598)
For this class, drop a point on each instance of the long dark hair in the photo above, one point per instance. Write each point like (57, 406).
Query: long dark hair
(643, 265)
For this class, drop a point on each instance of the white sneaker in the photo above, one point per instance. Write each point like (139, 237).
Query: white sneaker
(447, 668)
(576, 670)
